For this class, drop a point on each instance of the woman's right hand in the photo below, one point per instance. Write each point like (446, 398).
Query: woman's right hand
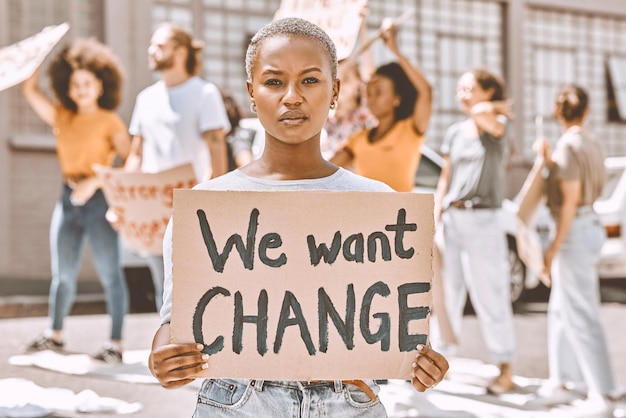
(38, 101)
(542, 148)
(175, 365)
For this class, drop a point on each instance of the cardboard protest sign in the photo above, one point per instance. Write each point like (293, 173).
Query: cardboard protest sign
(530, 251)
(532, 197)
(340, 19)
(303, 285)
(143, 203)
(20, 60)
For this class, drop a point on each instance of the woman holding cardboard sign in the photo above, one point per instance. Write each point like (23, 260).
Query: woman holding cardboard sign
(86, 79)
(577, 350)
(292, 81)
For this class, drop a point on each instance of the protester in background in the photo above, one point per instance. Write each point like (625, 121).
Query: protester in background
(238, 139)
(470, 194)
(400, 98)
(176, 119)
(292, 81)
(87, 81)
(577, 350)
(350, 113)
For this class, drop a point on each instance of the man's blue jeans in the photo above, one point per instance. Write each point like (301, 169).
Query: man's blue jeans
(69, 227)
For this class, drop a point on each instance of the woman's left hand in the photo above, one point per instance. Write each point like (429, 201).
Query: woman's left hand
(84, 190)
(429, 368)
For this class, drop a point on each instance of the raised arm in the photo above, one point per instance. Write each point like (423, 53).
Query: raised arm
(423, 104)
(485, 116)
(366, 59)
(41, 104)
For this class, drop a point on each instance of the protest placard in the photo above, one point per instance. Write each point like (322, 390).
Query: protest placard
(18, 61)
(303, 285)
(340, 19)
(532, 198)
(143, 203)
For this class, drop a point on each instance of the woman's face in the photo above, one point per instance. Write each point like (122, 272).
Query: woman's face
(292, 87)
(85, 89)
(469, 92)
(381, 97)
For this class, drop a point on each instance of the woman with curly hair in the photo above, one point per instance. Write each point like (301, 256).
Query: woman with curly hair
(87, 79)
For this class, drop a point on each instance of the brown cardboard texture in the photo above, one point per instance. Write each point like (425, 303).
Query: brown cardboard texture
(143, 202)
(532, 198)
(532, 193)
(303, 285)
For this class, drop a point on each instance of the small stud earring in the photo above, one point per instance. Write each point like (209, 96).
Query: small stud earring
(253, 107)
(333, 105)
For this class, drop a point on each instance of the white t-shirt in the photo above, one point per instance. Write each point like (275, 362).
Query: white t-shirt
(172, 120)
(341, 180)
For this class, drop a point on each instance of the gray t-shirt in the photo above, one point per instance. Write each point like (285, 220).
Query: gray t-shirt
(578, 156)
(341, 180)
(477, 166)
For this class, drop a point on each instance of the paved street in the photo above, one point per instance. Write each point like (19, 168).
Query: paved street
(85, 333)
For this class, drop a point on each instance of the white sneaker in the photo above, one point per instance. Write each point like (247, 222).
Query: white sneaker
(619, 405)
(556, 394)
(594, 408)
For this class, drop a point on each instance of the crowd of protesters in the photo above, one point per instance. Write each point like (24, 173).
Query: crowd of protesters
(371, 142)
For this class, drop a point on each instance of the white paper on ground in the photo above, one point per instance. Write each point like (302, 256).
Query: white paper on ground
(23, 394)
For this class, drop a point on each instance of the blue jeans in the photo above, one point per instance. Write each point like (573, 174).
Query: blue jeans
(277, 399)
(577, 349)
(69, 227)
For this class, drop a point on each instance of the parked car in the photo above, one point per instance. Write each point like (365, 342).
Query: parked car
(611, 207)
(522, 278)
